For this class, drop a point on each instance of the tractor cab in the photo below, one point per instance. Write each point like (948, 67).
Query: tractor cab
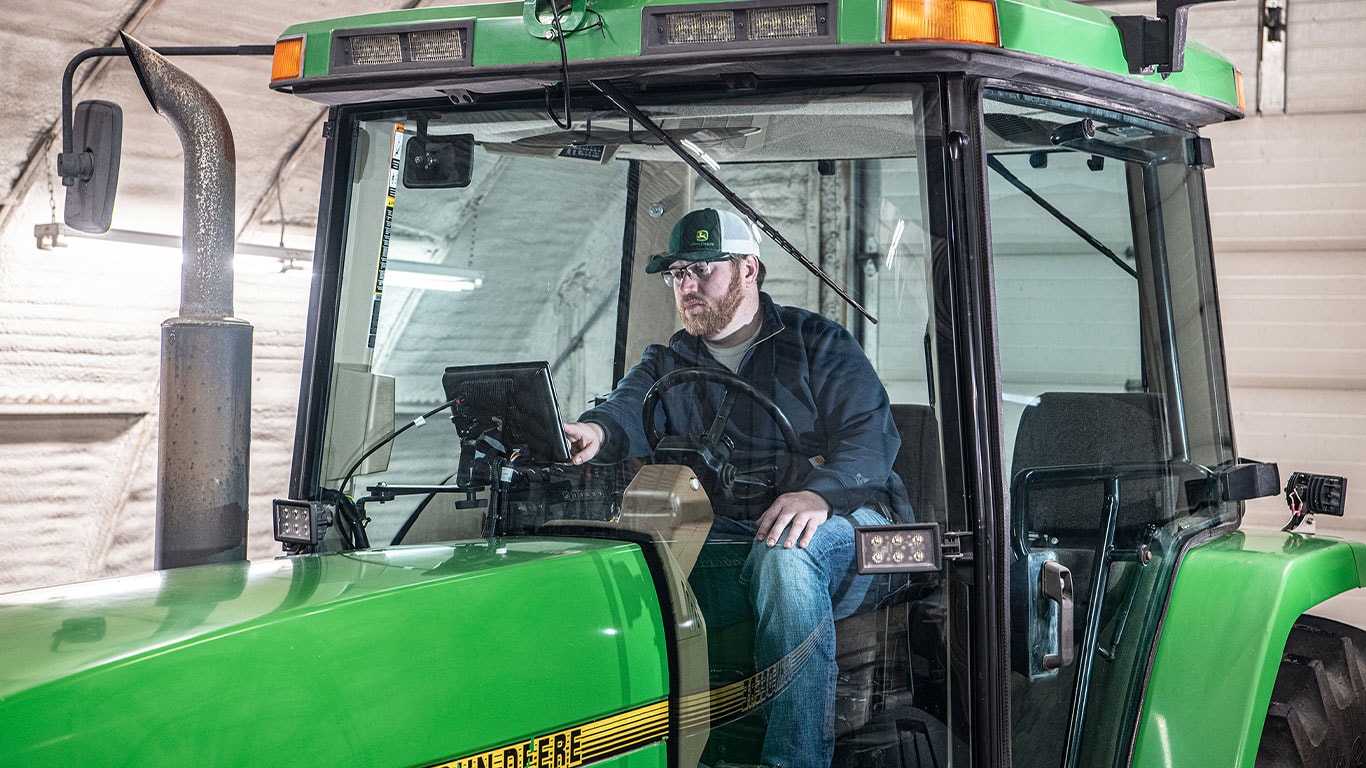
(486, 276)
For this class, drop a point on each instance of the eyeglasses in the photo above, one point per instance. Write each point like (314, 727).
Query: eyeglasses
(699, 271)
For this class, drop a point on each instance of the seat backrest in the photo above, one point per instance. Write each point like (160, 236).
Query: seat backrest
(918, 462)
(1080, 428)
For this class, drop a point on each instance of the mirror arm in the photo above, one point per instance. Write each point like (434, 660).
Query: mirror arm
(75, 166)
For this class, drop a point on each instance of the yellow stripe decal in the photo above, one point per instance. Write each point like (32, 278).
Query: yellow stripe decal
(634, 728)
(580, 745)
(714, 708)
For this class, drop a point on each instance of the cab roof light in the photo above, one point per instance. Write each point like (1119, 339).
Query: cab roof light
(703, 27)
(368, 50)
(736, 25)
(951, 21)
(288, 61)
(436, 45)
(402, 47)
(773, 23)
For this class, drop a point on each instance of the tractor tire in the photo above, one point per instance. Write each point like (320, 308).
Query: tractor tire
(1317, 715)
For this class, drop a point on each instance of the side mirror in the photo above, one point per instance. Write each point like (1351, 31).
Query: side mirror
(438, 162)
(91, 170)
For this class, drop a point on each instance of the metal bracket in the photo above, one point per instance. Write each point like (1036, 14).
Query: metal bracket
(49, 236)
(1156, 45)
(1271, 57)
(956, 545)
(531, 19)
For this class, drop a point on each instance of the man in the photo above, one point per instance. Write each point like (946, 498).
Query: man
(798, 572)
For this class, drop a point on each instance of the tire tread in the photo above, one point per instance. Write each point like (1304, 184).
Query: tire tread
(1317, 715)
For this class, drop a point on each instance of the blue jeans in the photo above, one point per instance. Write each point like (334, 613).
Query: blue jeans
(791, 593)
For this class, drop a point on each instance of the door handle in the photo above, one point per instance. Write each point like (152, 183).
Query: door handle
(1055, 583)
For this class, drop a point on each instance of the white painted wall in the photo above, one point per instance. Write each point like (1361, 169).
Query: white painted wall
(1288, 200)
(78, 399)
(1288, 212)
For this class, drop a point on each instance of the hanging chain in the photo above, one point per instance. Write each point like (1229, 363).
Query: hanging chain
(49, 236)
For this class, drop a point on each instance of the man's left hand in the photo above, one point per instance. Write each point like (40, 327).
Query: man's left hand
(800, 512)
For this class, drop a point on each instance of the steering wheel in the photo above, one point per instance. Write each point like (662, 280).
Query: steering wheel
(709, 453)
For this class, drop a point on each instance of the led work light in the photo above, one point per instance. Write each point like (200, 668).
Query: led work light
(368, 50)
(299, 522)
(904, 548)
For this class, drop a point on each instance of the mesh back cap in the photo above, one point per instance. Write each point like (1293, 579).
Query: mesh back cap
(706, 234)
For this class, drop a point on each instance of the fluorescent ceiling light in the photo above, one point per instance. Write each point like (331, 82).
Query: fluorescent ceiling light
(432, 277)
(247, 257)
(266, 259)
(701, 155)
(896, 240)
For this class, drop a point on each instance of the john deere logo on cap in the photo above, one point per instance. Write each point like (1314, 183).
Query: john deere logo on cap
(703, 235)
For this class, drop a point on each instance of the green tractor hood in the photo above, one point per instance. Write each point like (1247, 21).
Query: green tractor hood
(402, 656)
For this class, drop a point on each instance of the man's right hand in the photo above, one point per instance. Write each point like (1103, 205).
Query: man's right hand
(585, 440)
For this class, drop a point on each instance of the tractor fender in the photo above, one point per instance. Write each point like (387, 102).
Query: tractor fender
(1231, 608)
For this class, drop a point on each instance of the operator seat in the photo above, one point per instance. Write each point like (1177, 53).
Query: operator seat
(1081, 428)
(918, 461)
(1075, 429)
(865, 641)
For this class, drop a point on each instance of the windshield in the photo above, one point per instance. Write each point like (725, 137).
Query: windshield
(541, 255)
(502, 274)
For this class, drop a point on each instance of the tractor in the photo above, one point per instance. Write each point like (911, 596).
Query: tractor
(1002, 201)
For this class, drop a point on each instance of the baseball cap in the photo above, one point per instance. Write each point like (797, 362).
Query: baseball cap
(706, 234)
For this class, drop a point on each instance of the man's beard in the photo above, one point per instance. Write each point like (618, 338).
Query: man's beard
(708, 320)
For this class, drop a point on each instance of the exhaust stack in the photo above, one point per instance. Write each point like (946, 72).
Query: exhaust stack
(205, 416)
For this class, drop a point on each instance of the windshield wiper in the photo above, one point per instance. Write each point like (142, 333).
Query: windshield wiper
(624, 104)
(999, 167)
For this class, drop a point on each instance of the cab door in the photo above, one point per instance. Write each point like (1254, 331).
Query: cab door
(1114, 415)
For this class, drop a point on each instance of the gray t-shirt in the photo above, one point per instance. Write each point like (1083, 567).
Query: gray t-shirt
(731, 356)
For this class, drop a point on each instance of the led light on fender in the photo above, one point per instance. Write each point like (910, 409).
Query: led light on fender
(792, 21)
(288, 61)
(375, 49)
(699, 27)
(435, 45)
(954, 21)
(1238, 85)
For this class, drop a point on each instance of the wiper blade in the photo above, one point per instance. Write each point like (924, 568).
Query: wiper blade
(624, 104)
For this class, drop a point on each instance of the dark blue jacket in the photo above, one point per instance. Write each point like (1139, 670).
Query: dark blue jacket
(817, 375)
